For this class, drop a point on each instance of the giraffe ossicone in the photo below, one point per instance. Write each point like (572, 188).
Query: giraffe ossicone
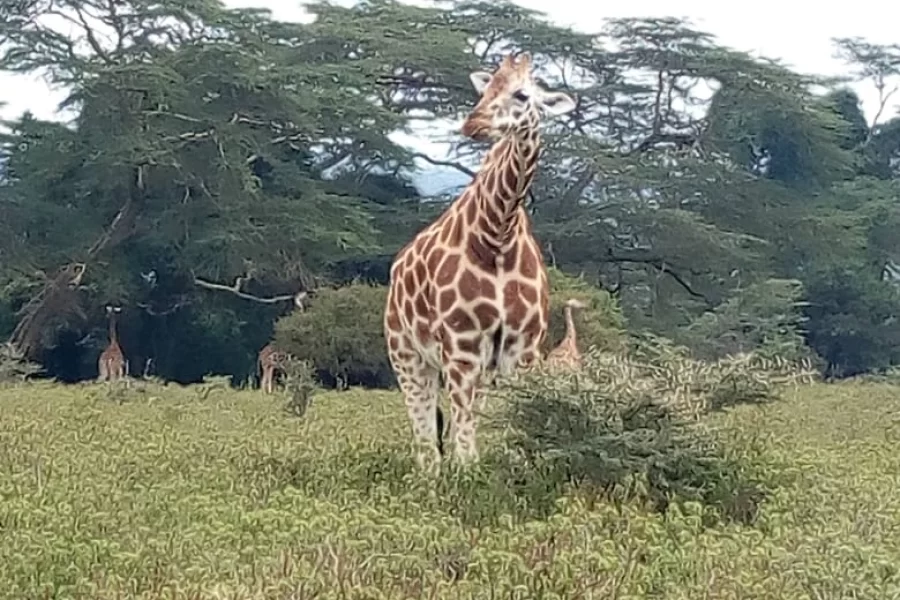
(469, 294)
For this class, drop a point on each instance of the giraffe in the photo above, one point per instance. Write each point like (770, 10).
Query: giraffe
(269, 360)
(469, 294)
(111, 365)
(566, 355)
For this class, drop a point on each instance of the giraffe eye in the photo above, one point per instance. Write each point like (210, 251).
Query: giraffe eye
(520, 96)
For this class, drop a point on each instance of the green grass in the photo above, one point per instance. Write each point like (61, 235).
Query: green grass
(192, 493)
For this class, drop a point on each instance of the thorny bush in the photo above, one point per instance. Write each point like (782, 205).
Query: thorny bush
(628, 425)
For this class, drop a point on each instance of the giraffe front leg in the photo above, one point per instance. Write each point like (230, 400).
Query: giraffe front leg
(421, 390)
(463, 378)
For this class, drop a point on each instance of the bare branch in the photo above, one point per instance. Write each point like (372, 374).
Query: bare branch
(235, 289)
(445, 163)
(663, 267)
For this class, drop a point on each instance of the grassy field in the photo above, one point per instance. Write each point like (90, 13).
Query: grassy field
(209, 493)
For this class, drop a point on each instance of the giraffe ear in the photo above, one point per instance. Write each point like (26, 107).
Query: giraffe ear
(557, 103)
(480, 79)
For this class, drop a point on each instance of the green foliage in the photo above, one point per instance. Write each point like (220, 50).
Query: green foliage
(14, 367)
(765, 317)
(299, 385)
(220, 143)
(173, 495)
(600, 325)
(853, 320)
(341, 335)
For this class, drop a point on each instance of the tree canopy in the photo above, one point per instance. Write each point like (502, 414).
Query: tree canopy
(220, 161)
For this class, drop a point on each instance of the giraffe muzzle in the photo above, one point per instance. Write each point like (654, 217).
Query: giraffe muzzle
(478, 129)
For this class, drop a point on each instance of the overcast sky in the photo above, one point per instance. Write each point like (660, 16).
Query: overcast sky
(783, 29)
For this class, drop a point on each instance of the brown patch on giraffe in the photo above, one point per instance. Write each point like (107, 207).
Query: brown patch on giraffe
(486, 315)
(409, 280)
(487, 226)
(471, 213)
(456, 232)
(423, 332)
(534, 328)
(516, 309)
(408, 310)
(394, 343)
(393, 320)
(469, 346)
(528, 262)
(467, 286)
(471, 286)
(480, 254)
(421, 304)
(446, 300)
(434, 259)
(459, 320)
(529, 293)
(426, 246)
(420, 271)
(511, 178)
(447, 271)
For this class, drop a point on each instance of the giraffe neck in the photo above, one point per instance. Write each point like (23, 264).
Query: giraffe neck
(113, 338)
(570, 327)
(503, 182)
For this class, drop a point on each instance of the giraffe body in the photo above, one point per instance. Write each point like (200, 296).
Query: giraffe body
(469, 295)
(566, 354)
(269, 360)
(111, 365)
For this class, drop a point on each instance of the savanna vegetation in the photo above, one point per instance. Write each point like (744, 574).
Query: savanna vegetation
(228, 179)
(203, 491)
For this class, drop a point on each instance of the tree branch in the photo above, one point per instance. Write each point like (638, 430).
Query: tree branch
(235, 289)
(662, 266)
(445, 163)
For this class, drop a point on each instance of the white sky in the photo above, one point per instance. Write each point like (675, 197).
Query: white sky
(783, 29)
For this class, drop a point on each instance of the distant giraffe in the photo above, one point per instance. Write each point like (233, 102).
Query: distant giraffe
(566, 354)
(111, 365)
(469, 295)
(270, 359)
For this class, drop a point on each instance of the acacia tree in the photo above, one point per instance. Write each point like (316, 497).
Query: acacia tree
(212, 144)
(203, 148)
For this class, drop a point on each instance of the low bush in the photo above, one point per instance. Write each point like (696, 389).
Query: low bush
(628, 424)
(341, 335)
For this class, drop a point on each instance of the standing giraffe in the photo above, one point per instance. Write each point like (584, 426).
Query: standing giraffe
(469, 294)
(269, 360)
(566, 354)
(111, 365)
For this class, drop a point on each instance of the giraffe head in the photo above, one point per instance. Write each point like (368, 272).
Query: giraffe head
(511, 101)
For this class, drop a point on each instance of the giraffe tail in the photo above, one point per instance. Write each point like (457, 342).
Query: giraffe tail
(439, 416)
(496, 349)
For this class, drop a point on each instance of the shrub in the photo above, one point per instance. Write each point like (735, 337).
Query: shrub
(628, 424)
(299, 385)
(600, 325)
(341, 335)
